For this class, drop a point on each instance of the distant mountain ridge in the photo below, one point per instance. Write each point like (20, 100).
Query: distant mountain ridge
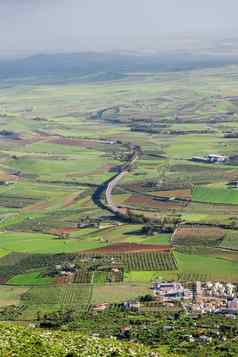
(103, 66)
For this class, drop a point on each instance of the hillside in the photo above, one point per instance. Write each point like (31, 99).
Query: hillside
(19, 341)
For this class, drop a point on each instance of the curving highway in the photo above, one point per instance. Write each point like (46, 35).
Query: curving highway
(114, 182)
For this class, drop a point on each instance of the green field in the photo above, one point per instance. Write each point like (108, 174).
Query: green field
(43, 243)
(215, 195)
(214, 268)
(118, 293)
(31, 278)
(148, 277)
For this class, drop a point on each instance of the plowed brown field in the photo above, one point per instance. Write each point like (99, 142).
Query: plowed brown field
(130, 248)
(150, 202)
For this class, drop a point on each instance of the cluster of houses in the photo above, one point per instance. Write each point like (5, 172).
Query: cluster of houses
(170, 292)
(217, 298)
(211, 159)
(220, 298)
(218, 289)
(197, 297)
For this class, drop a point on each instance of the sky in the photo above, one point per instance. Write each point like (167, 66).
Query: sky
(37, 26)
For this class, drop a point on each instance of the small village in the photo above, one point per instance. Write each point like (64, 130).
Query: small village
(194, 298)
(201, 298)
(200, 313)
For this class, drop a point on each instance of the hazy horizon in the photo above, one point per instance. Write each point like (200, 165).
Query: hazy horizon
(30, 26)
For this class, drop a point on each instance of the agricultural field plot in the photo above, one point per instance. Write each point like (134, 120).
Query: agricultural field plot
(117, 293)
(124, 248)
(160, 239)
(15, 264)
(23, 242)
(199, 174)
(128, 234)
(31, 278)
(178, 194)
(61, 170)
(147, 202)
(3, 253)
(58, 295)
(149, 261)
(143, 260)
(184, 147)
(230, 241)
(149, 276)
(83, 277)
(42, 211)
(44, 243)
(210, 267)
(192, 277)
(39, 191)
(100, 277)
(15, 202)
(10, 259)
(210, 212)
(155, 307)
(215, 195)
(55, 219)
(120, 198)
(198, 236)
(10, 295)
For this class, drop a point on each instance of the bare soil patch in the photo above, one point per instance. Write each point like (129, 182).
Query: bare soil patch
(150, 202)
(131, 248)
(182, 194)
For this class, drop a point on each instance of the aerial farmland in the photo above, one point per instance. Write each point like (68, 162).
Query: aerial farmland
(101, 176)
